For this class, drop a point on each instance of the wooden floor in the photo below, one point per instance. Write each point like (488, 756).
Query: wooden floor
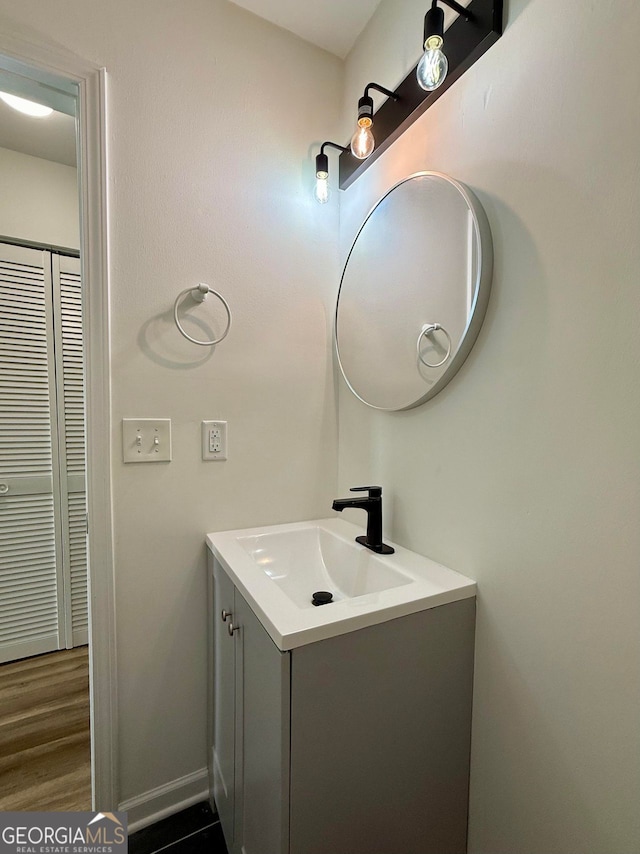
(45, 761)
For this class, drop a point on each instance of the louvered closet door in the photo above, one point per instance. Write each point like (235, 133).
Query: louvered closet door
(31, 590)
(67, 292)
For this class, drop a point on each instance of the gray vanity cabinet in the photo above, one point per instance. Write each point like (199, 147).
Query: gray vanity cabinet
(358, 744)
(222, 743)
(249, 725)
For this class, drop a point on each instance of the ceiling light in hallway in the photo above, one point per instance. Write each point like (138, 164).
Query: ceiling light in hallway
(30, 108)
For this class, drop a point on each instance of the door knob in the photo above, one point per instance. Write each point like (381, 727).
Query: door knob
(225, 615)
(231, 629)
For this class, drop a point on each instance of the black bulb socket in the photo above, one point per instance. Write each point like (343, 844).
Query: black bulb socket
(365, 107)
(322, 164)
(433, 23)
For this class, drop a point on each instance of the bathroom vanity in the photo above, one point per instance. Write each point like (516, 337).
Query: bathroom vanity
(343, 728)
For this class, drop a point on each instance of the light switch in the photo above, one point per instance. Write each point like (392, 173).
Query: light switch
(146, 440)
(214, 440)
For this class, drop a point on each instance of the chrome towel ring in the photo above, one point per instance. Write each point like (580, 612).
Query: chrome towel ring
(427, 329)
(199, 294)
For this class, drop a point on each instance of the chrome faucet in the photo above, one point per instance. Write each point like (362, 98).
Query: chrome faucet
(373, 506)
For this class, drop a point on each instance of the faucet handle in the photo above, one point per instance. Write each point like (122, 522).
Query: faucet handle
(374, 491)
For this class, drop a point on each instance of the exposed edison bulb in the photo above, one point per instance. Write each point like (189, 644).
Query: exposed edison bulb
(433, 67)
(363, 141)
(30, 108)
(321, 191)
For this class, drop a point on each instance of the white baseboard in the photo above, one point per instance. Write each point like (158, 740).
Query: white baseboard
(149, 807)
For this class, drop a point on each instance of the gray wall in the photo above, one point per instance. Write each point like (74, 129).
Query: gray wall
(524, 472)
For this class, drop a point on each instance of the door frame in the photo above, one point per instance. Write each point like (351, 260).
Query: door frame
(91, 82)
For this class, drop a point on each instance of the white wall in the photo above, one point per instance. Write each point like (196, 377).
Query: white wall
(523, 473)
(213, 114)
(39, 200)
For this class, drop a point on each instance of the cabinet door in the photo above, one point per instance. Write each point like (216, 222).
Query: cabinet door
(262, 764)
(224, 704)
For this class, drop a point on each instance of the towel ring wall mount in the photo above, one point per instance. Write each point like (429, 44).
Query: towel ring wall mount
(199, 294)
(427, 329)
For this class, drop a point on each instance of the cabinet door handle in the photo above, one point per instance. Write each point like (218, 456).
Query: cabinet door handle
(225, 615)
(231, 629)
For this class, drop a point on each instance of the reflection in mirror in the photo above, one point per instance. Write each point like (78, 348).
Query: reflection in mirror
(413, 292)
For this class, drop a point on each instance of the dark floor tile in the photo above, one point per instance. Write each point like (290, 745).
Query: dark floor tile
(172, 829)
(207, 841)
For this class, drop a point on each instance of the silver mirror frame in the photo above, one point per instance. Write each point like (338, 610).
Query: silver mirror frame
(482, 289)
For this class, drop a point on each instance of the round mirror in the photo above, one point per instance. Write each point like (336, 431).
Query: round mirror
(414, 292)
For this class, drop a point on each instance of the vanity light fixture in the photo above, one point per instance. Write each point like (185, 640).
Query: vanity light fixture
(473, 31)
(433, 67)
(363, 142)
(22, 105)
(322, 172)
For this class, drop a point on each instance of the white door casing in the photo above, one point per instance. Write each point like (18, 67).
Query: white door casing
(62, 70)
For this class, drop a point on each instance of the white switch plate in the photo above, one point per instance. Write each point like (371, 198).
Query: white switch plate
(146, 440)
(214, 440)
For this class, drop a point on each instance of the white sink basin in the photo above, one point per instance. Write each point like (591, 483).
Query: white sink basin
(278, 568)
(313, 558)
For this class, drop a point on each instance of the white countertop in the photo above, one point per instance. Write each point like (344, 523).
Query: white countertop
(293, 622)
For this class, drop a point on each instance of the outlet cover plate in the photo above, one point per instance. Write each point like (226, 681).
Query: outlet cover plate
(146, 440)
(214, 440)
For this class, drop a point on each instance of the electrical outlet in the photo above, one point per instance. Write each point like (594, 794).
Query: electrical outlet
(146, 440)
(214, 440)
